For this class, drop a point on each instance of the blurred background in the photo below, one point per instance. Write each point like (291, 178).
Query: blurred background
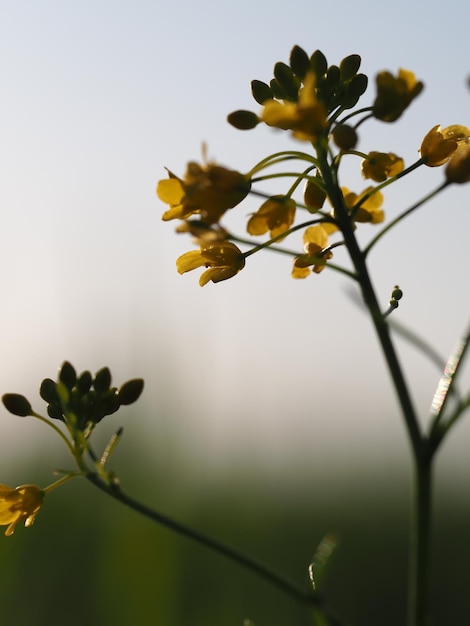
(268, 417)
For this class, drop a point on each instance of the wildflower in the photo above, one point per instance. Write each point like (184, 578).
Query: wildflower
(381, 165)
(364, 207)
(458, 169)
(223, 259)
(394, 94)
(440, 143)
(307, 118)
(207, 190)
(315, 251)
(19, 505)
(276, 215)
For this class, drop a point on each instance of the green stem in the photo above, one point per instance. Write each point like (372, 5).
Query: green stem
(398, 219)
(421, 509)
(274, 578)
(418, 608)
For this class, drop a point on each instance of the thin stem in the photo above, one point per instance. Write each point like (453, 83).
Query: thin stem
(61, 481)
(418, 608)
(279, 157)
(242, 559)
(57, 430)
(398, 219)
(421, 511)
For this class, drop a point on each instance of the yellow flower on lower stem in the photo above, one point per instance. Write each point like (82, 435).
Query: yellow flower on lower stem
(307, 118)
(315, 243)
(440, 143)
(223, 259)
(20, 505)
(208, 190)
(276, 215)
(369, 209)
(381, 165)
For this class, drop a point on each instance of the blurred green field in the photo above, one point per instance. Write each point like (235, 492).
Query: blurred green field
(88, 560)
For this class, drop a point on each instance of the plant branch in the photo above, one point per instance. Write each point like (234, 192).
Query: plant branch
(269, 575)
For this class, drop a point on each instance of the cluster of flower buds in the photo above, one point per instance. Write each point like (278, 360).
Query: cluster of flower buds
(304, 93)
(81, 401)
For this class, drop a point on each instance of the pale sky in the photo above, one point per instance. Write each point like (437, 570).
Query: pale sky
(97, 98)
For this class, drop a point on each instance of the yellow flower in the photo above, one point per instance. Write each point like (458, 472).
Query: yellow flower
(394, 94)
(458, 169)
(276, 215)
(207, 190)
(307, 118)
(315, 242)
(379, 166)
(223, 259)
(19, 505)
(369, 209)
(441, 143)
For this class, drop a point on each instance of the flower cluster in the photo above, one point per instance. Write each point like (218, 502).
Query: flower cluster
(79, 402)
(313, 101)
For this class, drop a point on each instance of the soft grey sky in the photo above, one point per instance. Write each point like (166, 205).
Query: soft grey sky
(97, 98)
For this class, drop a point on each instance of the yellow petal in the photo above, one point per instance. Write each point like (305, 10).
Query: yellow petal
(170, 190)
(189, 261)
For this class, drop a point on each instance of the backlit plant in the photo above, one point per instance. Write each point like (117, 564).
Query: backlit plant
(318, 105)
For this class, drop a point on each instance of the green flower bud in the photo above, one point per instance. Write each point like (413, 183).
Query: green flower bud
(349, 66)
(285, 77)
(354, 90)
(314, 196)
(84, 383)
(48, 391)
(344, 136)
(318, 63)
(130, 391)
(279, 91)
(68, 375)
(17, 404)
(243, 120)
(102, 381)
(261, 92)
(299, 61)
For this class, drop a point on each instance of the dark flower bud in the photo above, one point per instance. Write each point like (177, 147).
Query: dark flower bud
(261, 92)
(354, 91)
(54, 410)
(130, 391)
(349, 66)
(102, 380)
(345, 137)
(299, 61)
(318, 63)
(285, 77)
(48, 391)
(17, 404)
(84, 383)
(68, 375)
(243, 120)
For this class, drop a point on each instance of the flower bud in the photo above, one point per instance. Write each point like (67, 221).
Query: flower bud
(130, 391)
(458, 168)
(17, 404)
(314, 196)
(345, 137)
(243, 120)
(261, 92)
